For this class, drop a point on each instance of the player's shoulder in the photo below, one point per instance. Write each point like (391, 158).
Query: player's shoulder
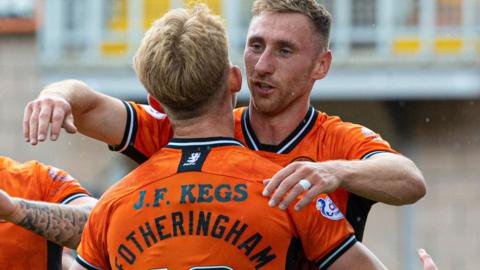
(6, 163)
(239, 110)
(13, 167)
(242, 162)
(335, 127)
(326, 119)
(146, 110)
(334, 123)
(161, 165)
(238, 113)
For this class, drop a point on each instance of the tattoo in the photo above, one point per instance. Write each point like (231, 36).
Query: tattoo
(61, 224)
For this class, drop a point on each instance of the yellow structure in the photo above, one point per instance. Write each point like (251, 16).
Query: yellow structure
(153, 9)
(406, 45)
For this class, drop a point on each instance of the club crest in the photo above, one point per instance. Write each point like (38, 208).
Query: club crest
(329, 209)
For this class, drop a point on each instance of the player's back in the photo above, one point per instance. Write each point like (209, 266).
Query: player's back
(217, 214)
(198, 206)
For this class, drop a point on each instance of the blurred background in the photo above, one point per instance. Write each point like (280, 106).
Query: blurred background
(408, 69)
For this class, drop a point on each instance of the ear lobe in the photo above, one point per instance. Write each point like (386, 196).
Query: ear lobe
(235, 79)
(153, 102)
(322, 66)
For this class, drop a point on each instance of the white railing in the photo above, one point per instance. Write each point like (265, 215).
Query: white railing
(383, 49)
(375, 30)
(16, 8)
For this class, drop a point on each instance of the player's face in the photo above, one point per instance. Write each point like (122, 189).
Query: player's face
(280, 58)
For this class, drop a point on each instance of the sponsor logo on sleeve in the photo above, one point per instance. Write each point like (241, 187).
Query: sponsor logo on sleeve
(329, 209)
(369, 133)
(154, 113)
(58, 175)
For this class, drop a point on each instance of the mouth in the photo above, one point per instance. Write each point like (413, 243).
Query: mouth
(263, 88)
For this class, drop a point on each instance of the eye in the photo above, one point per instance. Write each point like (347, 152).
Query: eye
(256, 47)
(285, 52)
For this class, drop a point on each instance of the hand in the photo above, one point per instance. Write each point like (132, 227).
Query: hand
(426, 260)
(7, 206)
(42, 111)
(322, 176)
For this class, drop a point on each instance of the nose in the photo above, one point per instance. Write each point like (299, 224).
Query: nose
(265, 63)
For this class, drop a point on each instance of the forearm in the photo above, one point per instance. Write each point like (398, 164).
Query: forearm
(61, 224)
(388, 178)
(96, 115)
(78, 94)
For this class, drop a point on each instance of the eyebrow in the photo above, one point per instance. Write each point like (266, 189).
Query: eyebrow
(287, 43)
(255, 38)
(279, 43)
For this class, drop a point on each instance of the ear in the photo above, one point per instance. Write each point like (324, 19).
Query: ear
(153, 102)
(234, 79)
(322, 65)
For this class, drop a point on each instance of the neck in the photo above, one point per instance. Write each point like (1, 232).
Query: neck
(274, 128)
(218, 125)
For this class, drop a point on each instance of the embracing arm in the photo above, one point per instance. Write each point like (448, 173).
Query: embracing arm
(77, 266)
(72, 104)
(61, 224)
(360, 257)
(385, 177)
(357, 257)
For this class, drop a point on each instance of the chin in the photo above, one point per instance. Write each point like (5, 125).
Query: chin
(265, 107)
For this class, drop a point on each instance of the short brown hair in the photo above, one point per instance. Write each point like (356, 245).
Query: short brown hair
(183, 60)
(320, 17)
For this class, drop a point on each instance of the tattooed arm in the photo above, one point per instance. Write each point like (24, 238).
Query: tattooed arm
(61, 224)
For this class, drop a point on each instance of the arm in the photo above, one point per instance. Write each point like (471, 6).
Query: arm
(427, 261)
(67, 260)
(357, 257)
(72, 104)
(77, 266)
(61, 224)
(385, 177)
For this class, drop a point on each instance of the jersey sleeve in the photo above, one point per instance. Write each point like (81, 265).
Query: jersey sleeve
(58, 185)
(323, 231)
(352, 141)
(146, 132)
(92, 252)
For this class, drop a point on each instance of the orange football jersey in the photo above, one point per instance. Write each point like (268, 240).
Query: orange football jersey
(19, 247)
(198, 204)
(319, 137)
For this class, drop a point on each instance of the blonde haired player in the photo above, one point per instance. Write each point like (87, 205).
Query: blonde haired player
(286, 53)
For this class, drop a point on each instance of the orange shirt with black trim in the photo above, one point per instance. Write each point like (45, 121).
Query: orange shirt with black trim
(197, 204)
(19, 247)
(319, 137)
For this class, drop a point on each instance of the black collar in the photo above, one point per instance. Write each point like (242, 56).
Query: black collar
(209, 142)
(288, 143)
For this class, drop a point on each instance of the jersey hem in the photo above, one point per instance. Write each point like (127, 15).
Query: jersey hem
(73, 197)
(86, 264)
(330, 258)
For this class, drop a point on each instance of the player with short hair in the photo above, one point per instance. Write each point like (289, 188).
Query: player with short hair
(42, 208)
(198, 203)
(287, 51)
